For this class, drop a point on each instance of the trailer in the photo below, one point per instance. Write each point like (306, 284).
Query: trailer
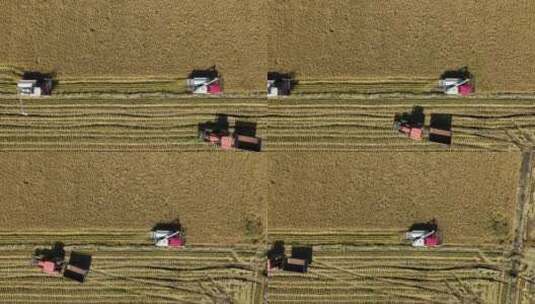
(440, 128)
(168, 238)
(78, 267)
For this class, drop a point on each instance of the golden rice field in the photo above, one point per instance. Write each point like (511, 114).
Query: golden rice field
(115, 151)
(316, 184)
(356, 40)
(213, 194)
(137, 38)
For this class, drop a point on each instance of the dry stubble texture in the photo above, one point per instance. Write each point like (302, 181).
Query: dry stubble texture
(362, 38)
(465, 192)
(212, 193)
(137, 37)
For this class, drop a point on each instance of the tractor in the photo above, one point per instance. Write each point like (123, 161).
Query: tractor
(51, 261)
(424, 234)
(411, 124)
(457, 82)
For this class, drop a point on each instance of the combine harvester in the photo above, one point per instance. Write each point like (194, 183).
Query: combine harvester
(424, 235)
(35, 84)
(168, 235)
(457, 82)
(205, 82)
(218, 133)
(279, 84)
(412, 125)
(52, 262)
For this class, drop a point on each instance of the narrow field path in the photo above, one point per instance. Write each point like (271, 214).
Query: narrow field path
(523, 199)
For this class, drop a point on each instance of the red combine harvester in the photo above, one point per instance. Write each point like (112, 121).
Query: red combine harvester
(205, 82)
(411, 124)
(218, 133)
(168, 238)
(457, 82)
(424, 234)
(168, 235)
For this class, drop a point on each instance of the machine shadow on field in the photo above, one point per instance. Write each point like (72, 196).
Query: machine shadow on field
(174, 225)
(221, 124)
(210, 72)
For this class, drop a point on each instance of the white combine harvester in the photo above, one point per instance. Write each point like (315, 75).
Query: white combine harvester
(205, 82)
(279, 84)
(34, 88)
(424, 235)
(35, 84)
(457, 82)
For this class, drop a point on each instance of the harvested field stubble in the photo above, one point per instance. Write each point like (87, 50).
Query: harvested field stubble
(212, 193)
(136, 275)
(355, 275)
(472, 195)
(347, 39)
(124, 37)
